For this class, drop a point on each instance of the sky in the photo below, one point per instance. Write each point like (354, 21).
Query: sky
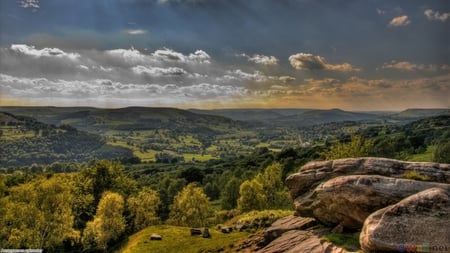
(354, 55)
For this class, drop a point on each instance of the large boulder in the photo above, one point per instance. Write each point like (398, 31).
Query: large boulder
(286, 224)
(313, 173)
(349, 200)
(419, 223)
(301, 241)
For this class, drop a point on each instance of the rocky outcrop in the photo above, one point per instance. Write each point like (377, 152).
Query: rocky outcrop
(378, 195)
(313, 173)
(286, 224)
(421, 220)
(295, 241)
(348, 200)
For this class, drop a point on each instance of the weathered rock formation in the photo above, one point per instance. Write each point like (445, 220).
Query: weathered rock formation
(375, 192)
(313, 173)
(348, 200)
(346, 191)
(285, 224)
(421, 220)
(295, 241)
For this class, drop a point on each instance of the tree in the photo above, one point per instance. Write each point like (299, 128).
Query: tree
(190, 207)
(357, 147)
(441, 153)
(168, 188)
(142, 209)
(38, 214)
(273, 186)
(252, 196)
(230, 194)
(108, 224)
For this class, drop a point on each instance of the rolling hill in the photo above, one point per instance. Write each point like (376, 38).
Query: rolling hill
(26, 141)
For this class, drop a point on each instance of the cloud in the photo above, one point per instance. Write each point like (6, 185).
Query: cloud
(136, 32)
(286, 79)
(408, 66)
(45, 52)
(131, 56)
(435, 15)
(380, 11)
(33, 4)
(303, 61)
(400, 21)
(239, 75)
(94, 91)
(157, 71)
(363, 94)
(261, 59)
(166, 54)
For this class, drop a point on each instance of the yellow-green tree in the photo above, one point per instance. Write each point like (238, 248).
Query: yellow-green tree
(265, 191)
(190, 207)
(252, 196)
(357, 147)
(108, 224)
(142, 208)
(38, 214)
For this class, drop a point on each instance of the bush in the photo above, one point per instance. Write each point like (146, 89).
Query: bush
(348, 242)
(259, 219)
(416, 176)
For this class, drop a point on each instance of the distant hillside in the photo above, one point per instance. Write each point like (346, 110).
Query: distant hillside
(421, 113)
(26, 141)
(130, 118)
(290, 117)
(315, 117)
(259, 115)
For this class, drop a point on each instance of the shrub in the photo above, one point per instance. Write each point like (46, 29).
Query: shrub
(348, 242)
(416, 176)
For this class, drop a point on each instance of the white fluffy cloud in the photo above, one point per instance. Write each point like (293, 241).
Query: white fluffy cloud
(435, 15)
(42, 89)
(408, 66)
(303, 61)
(400, 21)
(157, 71)
(136, 31)
(261, 59)
(33, 4)
(45, 52)
(200, 56)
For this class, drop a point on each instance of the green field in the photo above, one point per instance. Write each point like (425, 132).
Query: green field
(423, 157)
(178, 239)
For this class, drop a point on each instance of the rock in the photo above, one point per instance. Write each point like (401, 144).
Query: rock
(301, 241)
(206, 233)
(421, 220)
(155, 237)
(226, 230)
(287, 224)
(313, 173)
(349, 200)
(195, 231)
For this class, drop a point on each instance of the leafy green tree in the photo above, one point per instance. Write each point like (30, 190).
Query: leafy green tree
(106, 175)
(357, 147)
(108, 224)
(38, 214)
(142, 209)
(252, 196)
(93, 181)
(190, 207)
(441, 153)
(274, 188)
(168, 188)
(230, 194)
